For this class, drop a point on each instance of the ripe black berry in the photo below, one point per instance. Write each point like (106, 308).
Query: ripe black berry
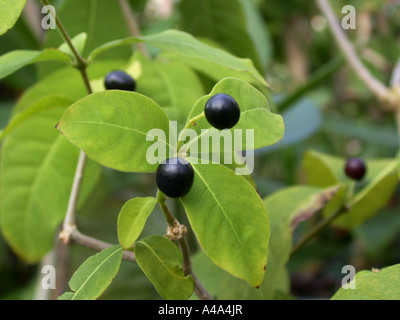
(222, 111)
(119, 80)
(174, 177)
(355, 168)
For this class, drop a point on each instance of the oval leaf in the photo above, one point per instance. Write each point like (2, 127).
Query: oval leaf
(161, 261)
(255, 115)
(112, 126)
(132, 218)
(36, 174)
(94, 276)
(233, 231)
(15, 60)
(371, 194)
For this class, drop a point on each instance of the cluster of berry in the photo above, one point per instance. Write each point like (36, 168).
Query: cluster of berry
(174, 177)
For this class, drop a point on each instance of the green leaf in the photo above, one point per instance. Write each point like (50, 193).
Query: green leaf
(213, 62)
(233, 231)
(9, 14)
(286, 209)
(381, 284)
(111, 127)
(371, 194)
(48, 102)
(229, 23)
(112, 44)
(67, 82)
(183, 47)
(132, 218)
(255, 114)
(162, 80)
(15, 60)
(94, 275)
(161, 261)
(36, 173)
(79, 43)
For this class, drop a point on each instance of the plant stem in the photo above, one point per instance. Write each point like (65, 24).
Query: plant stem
(173, 224)
(81, 65)
(317, 229)
(171, 221)
(80, 61)
(378, 88)
(192, 122)
(132, 25)
(95, 244)
(395, 84)
(42, 293)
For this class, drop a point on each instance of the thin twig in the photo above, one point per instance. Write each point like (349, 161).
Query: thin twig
(377, 87)
(178, 234)
(92, 243)
(317, 229)
(132, 25)
(69, 221)
(43, 293)
(395, 84)
(81, 63)
(199, 290)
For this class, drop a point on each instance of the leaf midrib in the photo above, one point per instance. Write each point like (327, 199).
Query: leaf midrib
(94, 271)
(225, 215)
(162, 263)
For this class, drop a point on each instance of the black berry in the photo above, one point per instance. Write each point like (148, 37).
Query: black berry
(355, 168)
(119, 80)
(174, 177)
(222, 111)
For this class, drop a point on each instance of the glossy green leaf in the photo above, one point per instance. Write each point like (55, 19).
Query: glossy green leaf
(161, 261)
(228, 22)
(94, 275)
(381, 284)
(42, 105)
(233, 231)
(9, 14)
(15, 60)
(255, 115)
(132, 218)
(111, 127)
(213, 62)
(371, 194)
(36, 173)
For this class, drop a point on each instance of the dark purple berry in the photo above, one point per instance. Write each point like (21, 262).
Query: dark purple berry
(222, 111)
(174, 177)
(355, 168)
(119, 80)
